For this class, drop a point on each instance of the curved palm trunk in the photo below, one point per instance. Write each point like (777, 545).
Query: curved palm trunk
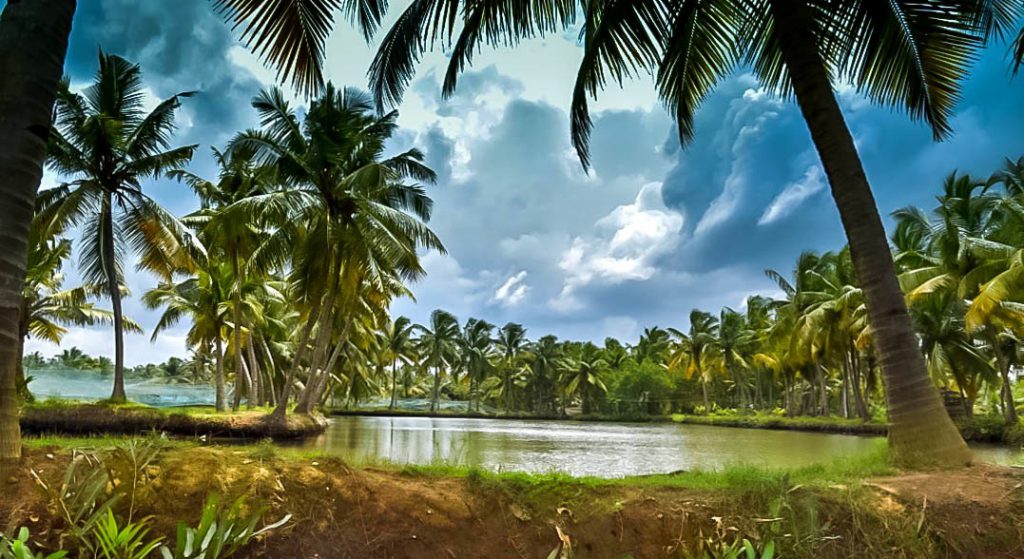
(114, 289)
(436, 392)
(920, 431)
(33, 42)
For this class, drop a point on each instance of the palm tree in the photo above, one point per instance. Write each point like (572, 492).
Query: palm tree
(585, 368)
(909, 54)
(106, 144)
(478, 354)
(348, 216)
(288, 34)
(205, 299)
(438, 344)
(46, 306)
(511, 343)
(223, 225)
(396, 340)
(692, 348)
(547, 362)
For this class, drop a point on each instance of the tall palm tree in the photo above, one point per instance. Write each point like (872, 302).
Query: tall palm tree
(33, 42)
(396, 339)
(105, 145)
(511, 343)
(438, 344)
(693, 348)
(225, 227)
(585, 369)
(478, 354)
(547, 362)
(46, 306)
(908, 54)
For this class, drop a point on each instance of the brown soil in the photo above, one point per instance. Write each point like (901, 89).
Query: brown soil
(96, 419)
(342, 512)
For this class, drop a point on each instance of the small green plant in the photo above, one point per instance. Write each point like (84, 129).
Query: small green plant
(123, 542)
(221, 532)
(264, 451)
(84, 496)
(740, 549)
(18, 548)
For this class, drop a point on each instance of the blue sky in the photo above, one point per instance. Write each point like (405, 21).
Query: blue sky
(650, 233)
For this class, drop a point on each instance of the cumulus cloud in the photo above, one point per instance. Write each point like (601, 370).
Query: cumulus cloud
(793, 195)
(513, 290)
(626, 246)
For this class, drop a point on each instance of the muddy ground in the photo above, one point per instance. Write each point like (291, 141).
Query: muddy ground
(343, 512)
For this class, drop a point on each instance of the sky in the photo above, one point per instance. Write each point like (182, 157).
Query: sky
(651, 232)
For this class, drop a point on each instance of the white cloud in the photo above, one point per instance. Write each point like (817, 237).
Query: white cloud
(513, 290)
(629, 241)
(793, 195)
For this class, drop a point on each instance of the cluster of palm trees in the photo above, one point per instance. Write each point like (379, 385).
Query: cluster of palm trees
(908, 54)
(301, 242)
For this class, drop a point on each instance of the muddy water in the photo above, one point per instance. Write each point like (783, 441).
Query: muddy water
(579, 448)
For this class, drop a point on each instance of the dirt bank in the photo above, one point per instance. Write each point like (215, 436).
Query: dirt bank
(95, 419)
(342, 512)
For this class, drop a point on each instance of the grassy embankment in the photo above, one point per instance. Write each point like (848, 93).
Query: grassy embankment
(91, 418)
(854, 508)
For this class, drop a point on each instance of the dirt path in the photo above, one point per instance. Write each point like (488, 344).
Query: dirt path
(341, 512)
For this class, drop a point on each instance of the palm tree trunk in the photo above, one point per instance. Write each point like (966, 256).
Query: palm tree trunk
(218, 378)
(704, 390)
(920, 431)
(236, 319)
(33, 42)
(114, 288)
(1006, 391)
(435, 393)
(255, 397)
(394, 384)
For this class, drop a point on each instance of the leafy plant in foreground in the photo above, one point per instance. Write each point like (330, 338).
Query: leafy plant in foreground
(18, 548)
(221, 532)
(128, 542)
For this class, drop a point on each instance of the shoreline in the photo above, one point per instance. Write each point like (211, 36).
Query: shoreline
(106, 419)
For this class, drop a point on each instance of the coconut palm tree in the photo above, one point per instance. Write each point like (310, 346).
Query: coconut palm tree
(225, 227)
(692, 348)
(907, 54)
(105, 144)
(511, 343)
(438, 344)
(547, 363)
(204, 299)
(478, 354)
(585, 368)
(396, 340)
(348, 216)
(46, 306)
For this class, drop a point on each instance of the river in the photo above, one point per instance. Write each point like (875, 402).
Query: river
(588, 448)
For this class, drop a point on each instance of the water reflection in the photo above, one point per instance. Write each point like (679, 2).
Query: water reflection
(578, 448)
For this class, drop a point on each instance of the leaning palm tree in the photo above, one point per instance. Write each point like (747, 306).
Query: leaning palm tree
(907, 54)
(105, 145)
(585, 370)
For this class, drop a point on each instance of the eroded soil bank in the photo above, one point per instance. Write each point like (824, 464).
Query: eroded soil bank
(342, 512)
(102, 419)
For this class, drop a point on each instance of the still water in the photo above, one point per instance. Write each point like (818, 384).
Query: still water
(583, 448)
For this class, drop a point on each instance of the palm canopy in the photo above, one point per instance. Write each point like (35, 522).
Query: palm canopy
(106, 144)
(340, 190)
(902, 53)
